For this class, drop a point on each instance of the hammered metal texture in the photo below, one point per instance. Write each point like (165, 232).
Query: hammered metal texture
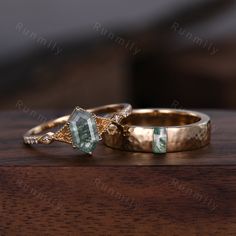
(180, 138)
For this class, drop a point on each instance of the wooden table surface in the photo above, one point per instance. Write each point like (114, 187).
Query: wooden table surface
(54, 190)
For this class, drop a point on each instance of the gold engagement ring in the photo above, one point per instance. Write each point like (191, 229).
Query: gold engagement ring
(82, 129)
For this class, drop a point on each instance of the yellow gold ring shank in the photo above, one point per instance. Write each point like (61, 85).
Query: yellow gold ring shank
(160, 131)
(82, 129)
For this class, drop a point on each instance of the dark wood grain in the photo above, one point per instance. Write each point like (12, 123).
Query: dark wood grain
(118, 201)
(54, 190)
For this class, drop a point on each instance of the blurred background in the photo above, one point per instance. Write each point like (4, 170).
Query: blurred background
(155, 53)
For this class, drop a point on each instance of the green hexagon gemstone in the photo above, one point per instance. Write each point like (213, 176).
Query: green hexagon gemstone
(83, 130)
(159, 144)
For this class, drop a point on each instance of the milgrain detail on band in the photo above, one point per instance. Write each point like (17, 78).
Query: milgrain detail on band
(159, 144)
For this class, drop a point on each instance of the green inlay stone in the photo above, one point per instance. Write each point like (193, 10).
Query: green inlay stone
(83, 130)
(159, 144)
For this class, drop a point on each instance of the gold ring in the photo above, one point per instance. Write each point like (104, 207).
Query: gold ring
(160, 131)
(82, 129)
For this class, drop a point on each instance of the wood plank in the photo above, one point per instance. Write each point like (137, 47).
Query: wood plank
(156, 200)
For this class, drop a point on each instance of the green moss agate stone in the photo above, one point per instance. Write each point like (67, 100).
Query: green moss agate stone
(83, 130)
(159, 144)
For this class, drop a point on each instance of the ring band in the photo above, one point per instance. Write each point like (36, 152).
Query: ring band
(160, 131)
(82, 129)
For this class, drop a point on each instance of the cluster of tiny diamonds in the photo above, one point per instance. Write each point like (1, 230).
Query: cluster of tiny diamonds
(127, 111)
(31, 140)
(46, 139)
(123, 114)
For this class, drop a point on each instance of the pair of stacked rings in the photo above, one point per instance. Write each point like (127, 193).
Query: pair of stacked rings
(120, 127)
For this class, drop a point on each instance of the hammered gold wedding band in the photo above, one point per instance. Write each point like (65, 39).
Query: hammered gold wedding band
(82, 129)
(160, 131)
